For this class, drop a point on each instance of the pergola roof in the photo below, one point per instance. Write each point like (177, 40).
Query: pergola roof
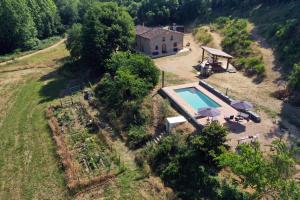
(216, 52)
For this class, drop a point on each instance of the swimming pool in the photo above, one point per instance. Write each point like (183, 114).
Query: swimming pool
(196, 98)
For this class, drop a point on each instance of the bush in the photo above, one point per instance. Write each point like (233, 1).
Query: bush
(294, 78)
(202, 35)
(137, 137)
(135, 114)
(164, 110)
(251, 65)
(238, 43)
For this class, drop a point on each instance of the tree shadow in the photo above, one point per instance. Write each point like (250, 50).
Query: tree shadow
(290, 116)
(51, 90)
(235, 127)
(66, 80)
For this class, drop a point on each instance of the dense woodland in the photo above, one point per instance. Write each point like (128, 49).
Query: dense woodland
(99, 37)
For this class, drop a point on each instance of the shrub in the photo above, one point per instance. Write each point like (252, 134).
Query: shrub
(294, 78)
(251, 65)
(137, 137)
(238, 43)
(164, 109)
(135, 114)
(202, 35)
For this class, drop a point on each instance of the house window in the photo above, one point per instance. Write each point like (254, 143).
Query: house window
(175, 44)
(156, 47)
(163, 39)
(171, 37)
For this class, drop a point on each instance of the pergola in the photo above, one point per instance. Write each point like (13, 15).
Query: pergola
(216, 53)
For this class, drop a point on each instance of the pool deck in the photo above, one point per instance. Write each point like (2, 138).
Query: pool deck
(226, 110)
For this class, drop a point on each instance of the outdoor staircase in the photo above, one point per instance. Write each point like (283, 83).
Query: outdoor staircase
(156, 139)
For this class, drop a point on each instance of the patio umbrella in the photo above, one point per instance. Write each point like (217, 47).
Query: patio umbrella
(242, 105)
(209, 112)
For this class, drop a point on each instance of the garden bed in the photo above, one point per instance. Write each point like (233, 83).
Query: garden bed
(86, 154)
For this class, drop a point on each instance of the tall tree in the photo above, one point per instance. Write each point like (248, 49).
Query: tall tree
(106, 28)
(68, 10)
(17, 28)
(45, 16)
(73, 43)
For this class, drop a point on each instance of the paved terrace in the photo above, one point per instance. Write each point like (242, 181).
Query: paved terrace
(266, 131)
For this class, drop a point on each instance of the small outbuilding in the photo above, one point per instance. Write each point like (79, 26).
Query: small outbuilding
(210, 58)
(172, 122)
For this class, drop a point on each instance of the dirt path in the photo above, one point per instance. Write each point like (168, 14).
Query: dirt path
(271, 66)
(182, 65)
(32, 54)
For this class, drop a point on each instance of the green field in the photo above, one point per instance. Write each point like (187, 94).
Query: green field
(29, 167)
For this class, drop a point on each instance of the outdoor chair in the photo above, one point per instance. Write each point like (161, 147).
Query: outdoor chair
(230, 118)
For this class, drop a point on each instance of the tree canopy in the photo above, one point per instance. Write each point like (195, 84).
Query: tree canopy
(17, 28)
(106, 28)
(45, 17)
(269, 176)
(73, 43)
(23, 22)
(188, 164)
(131, 78)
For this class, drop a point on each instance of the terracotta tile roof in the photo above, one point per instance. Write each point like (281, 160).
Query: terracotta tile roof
(150, 33)
(141, 29)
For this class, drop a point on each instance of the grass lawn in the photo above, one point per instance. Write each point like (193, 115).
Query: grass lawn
(29, 167)
(42, 45)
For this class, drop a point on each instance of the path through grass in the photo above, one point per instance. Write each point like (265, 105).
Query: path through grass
(28, 164)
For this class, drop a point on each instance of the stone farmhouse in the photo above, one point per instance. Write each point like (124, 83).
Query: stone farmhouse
(157, 41)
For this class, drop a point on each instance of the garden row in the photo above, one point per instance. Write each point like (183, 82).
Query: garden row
(86, 154)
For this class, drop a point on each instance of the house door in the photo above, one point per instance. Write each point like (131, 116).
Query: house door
(164, 48)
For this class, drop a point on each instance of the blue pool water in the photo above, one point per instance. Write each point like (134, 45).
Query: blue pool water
(196, 98)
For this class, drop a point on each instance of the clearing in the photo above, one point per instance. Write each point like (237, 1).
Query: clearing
(240, 86)
(29, 165)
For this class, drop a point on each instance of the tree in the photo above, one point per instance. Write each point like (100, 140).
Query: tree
(187, 164)
(45, 16)
(17, 28)
(270, 176)
(133, 76)
(211, 142)
(113, 91)
(138, 64)
(73, 43)
(106, 28)
(68, 11)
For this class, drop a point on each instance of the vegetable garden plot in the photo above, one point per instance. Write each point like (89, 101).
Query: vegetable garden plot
(85, 153)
